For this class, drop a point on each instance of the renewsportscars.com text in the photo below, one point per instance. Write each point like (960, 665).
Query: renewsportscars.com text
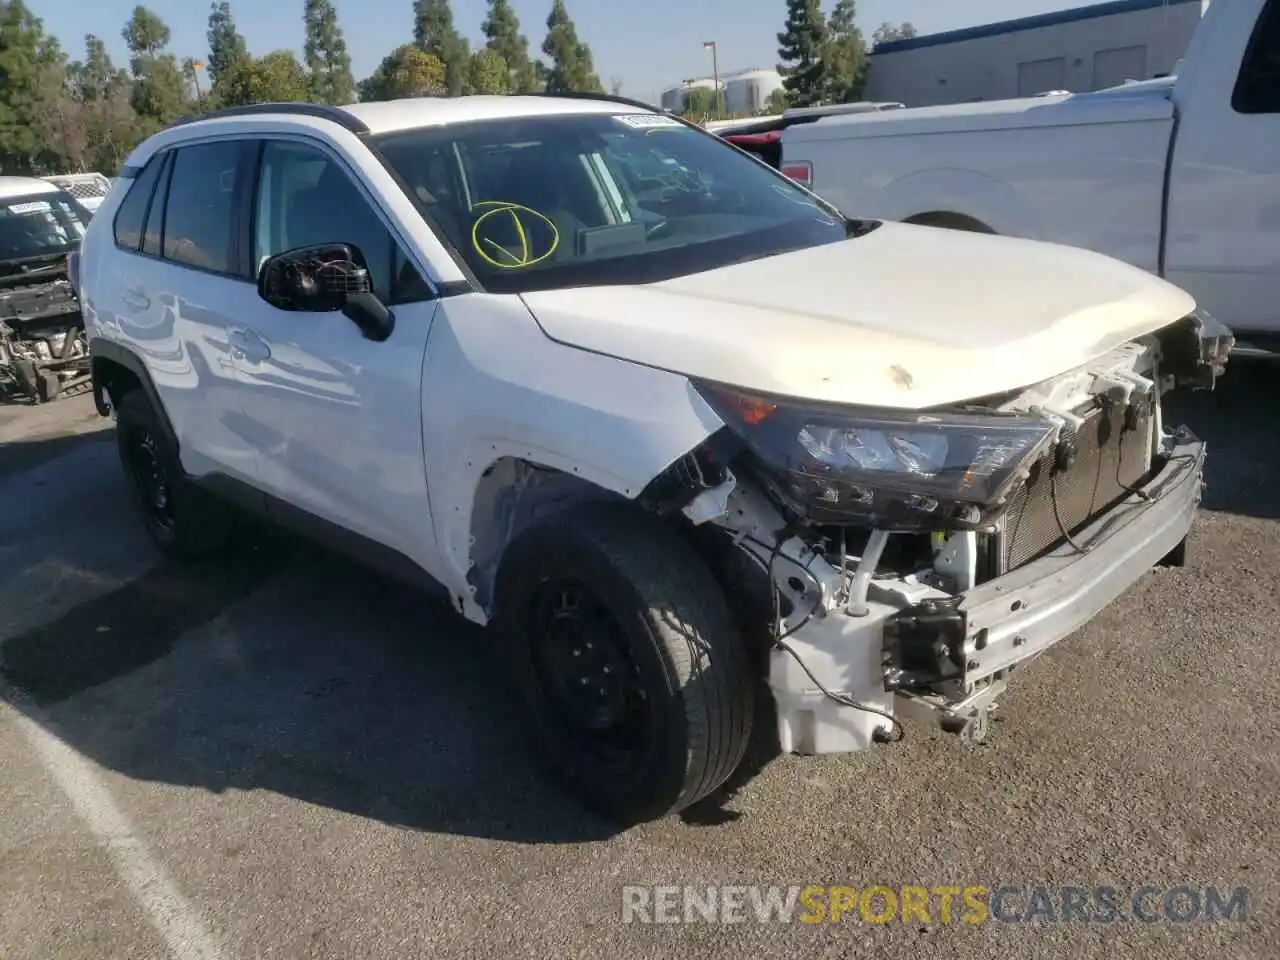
(970, 904)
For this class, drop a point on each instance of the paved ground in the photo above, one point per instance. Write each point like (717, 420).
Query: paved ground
(289, 757)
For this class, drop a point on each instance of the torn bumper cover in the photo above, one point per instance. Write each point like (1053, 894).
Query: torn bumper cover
(1006, 621)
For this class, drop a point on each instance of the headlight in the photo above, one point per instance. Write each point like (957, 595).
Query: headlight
(900, 469)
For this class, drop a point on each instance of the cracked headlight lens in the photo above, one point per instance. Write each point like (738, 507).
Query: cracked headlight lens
(907, 469)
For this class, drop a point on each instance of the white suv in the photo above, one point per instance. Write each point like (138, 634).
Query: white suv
(684, 433)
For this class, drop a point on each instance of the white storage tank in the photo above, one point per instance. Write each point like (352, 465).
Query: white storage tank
(748, 92)
(673, 97)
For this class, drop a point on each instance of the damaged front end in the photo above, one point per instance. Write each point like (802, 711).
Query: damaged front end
(914, 559)
(43, 352)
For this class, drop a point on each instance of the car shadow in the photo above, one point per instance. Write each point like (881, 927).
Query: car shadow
(281, 668)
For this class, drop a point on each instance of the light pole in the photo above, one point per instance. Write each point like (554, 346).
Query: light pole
(715, 76)
(196, 67)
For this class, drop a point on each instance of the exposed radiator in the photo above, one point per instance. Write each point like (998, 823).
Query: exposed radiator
(1110, 457)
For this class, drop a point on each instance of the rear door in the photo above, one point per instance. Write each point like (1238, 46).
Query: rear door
(336, 417)
(1223, 231)
(179, 283)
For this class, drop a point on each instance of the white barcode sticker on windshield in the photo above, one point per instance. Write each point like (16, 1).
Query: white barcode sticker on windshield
(647, 121)
(35, 206)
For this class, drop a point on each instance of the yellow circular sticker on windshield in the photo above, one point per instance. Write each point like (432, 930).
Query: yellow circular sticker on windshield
(525, 252)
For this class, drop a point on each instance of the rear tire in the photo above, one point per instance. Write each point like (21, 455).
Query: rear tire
(636, 680)
(182, 520)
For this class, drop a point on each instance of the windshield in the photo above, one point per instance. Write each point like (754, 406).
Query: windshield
(537, 203)
(39, 225)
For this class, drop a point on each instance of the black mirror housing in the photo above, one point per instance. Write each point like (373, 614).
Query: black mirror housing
(316, 279)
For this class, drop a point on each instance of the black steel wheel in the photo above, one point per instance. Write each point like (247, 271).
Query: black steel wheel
(181, 519)
(636, 681)
(586, 670)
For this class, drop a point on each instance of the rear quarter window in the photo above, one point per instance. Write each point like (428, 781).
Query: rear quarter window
(132, 215)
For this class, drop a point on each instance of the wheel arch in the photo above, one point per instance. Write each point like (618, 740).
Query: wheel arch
(949, 221)
(115, 371)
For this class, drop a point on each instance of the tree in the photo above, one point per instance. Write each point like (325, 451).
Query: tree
(159, 88)
(801, 47)
(326, 53)
(571, 68)
(145, 34)
(434, 33)
(502, 32)
(778, 101)
(407, 71)
(615, 86)
(887, 33)
(845, 57)
(276, 77)
(23, 47)
(62, 121)
(226, 46)
(105, 95)
(487, 73)
(699, 103)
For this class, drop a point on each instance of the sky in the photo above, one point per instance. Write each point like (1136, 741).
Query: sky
(647, 44)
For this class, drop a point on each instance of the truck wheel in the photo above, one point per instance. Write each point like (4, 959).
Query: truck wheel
(633, 672)
(181, 519)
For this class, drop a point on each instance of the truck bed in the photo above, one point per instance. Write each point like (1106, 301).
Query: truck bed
(992, 169)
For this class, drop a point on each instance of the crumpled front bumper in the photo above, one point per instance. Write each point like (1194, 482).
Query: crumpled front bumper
(984, 632)
(1002, 623)
(1015, 617)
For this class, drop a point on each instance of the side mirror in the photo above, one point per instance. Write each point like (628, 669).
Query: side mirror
(323, 279)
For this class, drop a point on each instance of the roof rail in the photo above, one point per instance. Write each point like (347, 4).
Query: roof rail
(607, 97)
(322, 111)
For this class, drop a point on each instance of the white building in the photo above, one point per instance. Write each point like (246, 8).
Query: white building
(1087, 48)
(745, 91)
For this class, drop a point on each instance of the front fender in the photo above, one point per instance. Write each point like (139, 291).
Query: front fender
(495, 387)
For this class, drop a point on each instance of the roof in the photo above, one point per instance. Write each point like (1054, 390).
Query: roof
(24, 186)
(1036, 22)
(387, 116)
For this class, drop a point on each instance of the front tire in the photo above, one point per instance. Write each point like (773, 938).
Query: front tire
(636, 680)
(181, 519)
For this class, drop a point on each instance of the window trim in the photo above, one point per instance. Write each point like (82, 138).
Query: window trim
(160, 190)
(1267, 18)
(399, 244)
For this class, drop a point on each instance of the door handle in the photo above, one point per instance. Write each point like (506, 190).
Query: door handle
(247, 345)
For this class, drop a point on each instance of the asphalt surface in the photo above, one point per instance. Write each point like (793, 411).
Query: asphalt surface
(287, 756)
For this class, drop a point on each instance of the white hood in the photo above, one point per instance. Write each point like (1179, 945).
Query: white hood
(905, 317)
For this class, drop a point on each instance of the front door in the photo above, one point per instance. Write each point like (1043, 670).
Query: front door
(336, 418)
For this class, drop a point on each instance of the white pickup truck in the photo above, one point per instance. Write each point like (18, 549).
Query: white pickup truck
(1180, 176)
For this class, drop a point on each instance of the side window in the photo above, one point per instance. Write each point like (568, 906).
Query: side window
(153, 235)
(306, 198)
(200, 212)
(1258, 87)
(133, 208)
